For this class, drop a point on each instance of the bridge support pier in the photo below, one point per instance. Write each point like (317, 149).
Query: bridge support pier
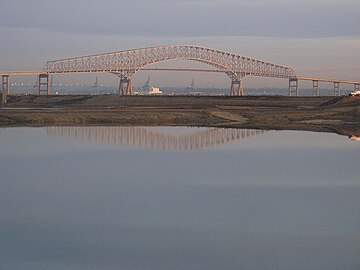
(356, 87)
(5, 84)
(336, 89)
(44, 85)
(237, 88)
(3, 98)
(316, 88)
(293, 87)
(125, 87)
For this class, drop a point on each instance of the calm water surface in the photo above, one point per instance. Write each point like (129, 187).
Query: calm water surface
(178, 198)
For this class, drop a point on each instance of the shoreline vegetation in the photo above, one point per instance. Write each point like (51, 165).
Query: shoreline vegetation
(339, 115)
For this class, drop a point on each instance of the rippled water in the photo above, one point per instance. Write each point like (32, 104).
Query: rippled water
(178, 198)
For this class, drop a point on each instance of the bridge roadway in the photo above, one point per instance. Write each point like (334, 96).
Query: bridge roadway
(159, 139)
(125, 64)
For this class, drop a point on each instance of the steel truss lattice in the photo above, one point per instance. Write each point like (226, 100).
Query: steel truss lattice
(126, 63)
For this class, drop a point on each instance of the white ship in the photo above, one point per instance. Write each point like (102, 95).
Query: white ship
(355, 138)
(154, 91)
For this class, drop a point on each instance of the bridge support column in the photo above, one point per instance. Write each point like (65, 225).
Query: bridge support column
(316, 88)
(336, 89)
(236, 88)
(356, 87)
(125, 87)
(44, 85)
(293, 87)
(3, 98)
(5, 84)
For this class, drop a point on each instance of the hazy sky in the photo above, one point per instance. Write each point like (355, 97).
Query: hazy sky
(314, 37)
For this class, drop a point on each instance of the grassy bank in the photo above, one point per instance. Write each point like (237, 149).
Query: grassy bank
(329, 114)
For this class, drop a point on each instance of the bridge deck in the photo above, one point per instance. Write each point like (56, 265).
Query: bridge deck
(302, 78)
(326, 80)
(22, 73)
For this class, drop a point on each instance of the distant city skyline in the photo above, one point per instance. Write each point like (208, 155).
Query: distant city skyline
(321, 38)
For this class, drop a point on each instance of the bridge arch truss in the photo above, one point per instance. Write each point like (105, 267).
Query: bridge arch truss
(127, 63)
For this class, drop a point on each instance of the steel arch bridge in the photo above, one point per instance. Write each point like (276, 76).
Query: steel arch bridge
(126, 63)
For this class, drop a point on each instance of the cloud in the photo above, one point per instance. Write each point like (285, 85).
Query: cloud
(187, 18)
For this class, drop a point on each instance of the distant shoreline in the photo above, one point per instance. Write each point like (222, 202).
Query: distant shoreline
(324, 114)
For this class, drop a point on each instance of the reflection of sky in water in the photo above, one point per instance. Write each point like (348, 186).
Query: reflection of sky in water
(278, 200)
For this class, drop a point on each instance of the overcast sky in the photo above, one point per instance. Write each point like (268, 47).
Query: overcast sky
(314, 37)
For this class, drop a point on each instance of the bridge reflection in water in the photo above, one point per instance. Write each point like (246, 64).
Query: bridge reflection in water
(159, 138)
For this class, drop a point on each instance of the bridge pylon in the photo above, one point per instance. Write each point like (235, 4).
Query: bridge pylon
(237, 88)
(5, 84)
(336, 89)
(293, 86)
(125, 86)
(44, 84)
(316, 88)
(3, 98)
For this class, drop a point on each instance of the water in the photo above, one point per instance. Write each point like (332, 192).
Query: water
(178, 198)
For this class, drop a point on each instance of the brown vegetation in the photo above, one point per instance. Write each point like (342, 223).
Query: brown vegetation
(330, 114)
